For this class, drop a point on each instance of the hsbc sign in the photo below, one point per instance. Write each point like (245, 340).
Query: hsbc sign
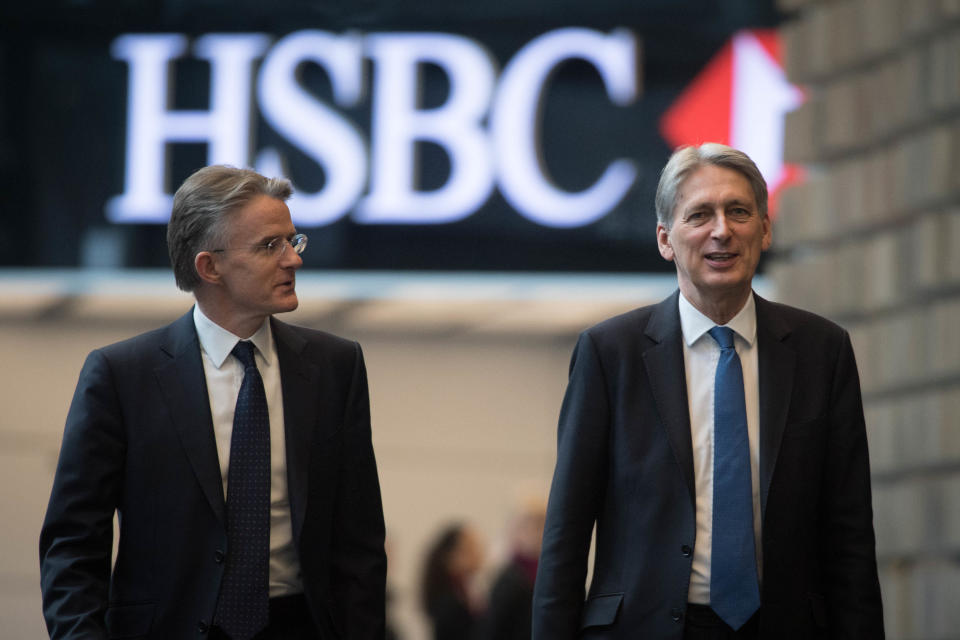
(487, 127)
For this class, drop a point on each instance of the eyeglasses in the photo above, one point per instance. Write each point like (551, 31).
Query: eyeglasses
(275, 247)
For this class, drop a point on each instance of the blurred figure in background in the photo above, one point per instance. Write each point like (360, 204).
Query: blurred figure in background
(451, 563)
(509, 607)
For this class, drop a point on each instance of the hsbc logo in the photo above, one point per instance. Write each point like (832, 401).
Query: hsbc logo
(740, 99)
(487, 127)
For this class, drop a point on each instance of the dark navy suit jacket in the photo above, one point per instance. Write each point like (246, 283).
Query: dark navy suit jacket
(139, 440)
(625, 462)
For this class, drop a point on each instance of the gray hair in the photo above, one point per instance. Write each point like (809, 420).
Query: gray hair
(200, 209)
(687, 159)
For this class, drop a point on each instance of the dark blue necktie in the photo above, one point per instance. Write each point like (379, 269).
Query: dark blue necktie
(243, 607)
(734, 587)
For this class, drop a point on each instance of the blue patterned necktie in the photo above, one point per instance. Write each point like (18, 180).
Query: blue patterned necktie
(734, 587)
(243, 607)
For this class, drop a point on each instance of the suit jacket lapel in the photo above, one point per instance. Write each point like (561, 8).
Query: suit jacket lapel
(776, 364)
(664, 362)
(298, 380)
(184, 387)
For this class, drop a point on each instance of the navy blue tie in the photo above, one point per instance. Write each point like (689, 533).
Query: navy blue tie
(734, 587)
(243, 607)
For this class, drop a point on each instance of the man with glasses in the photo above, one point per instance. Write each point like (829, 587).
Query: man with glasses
(234, 448)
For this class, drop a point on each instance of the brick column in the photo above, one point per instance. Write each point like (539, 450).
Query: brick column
(871, 239)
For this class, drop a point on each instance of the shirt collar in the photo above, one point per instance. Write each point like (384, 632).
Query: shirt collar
(217, 342)
(694, 324)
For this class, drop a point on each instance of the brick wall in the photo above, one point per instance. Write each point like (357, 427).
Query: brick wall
(871, 239)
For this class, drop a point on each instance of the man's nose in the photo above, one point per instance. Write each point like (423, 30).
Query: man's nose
(721, 226)
(290, 259)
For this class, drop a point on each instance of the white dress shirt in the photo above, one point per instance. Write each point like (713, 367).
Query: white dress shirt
(224, 374)
(700, 356)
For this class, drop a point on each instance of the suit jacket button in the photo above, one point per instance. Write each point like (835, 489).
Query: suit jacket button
(218, 555)
(202, 627)
(686, 550)
(676, 614)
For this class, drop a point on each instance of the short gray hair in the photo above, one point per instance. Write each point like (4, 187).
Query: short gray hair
(200, 207)
(688, 158)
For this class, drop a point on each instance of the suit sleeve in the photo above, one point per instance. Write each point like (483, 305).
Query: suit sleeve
(849, 551)
(77, 534)
(576, 495)
(359, 559)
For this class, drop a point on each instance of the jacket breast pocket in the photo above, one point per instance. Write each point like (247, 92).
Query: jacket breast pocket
(129, 620)
(601, 610)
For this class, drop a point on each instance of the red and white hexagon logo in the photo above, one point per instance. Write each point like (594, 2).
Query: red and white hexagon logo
(740, 98)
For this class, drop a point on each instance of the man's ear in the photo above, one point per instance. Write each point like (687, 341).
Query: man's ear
(767, 233)
(663, 242)
(206, 265)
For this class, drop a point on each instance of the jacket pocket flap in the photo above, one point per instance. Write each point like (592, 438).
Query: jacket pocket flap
(129, 620)
(601, 610)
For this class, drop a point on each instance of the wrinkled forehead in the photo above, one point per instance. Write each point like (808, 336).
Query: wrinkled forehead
(263, 217)
(712, 184)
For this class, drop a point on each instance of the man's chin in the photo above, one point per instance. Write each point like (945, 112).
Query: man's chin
(721, 285)
(289, 303)
(728, 277)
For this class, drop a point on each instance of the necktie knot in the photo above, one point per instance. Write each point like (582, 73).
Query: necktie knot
(723, 336)
(243, 351)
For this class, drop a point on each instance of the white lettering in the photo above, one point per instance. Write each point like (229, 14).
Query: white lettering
(398, 123)
(508, 154)
(514, 125)
(152, 125)
(329, 139)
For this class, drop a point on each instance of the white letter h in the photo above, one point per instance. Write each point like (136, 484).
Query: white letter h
(151, 125)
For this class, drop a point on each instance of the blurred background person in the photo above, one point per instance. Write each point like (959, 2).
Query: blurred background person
(452, 562)
(509, 605)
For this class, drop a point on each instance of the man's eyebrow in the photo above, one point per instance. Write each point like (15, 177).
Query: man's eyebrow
(267, 239)
(700, 204)
(710, 204)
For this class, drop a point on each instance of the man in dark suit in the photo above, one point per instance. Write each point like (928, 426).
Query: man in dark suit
(717, 441)
(235, 449)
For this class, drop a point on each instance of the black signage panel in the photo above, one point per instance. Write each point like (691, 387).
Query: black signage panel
(475, 136)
